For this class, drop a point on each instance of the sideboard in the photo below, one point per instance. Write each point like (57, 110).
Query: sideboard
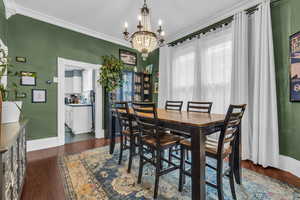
(12, 160)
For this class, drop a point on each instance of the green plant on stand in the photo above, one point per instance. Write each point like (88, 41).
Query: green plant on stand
(11, 109)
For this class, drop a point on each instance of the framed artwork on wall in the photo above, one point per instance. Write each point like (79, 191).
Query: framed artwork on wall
(39, 95)
(128, 57)
(21, 59)
(295, 67)
(28, 78)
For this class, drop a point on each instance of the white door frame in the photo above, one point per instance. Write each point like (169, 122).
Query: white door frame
(61, 65)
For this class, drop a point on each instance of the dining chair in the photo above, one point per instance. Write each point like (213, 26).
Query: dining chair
(128, 132)
(174, 105)
(198, 106)
(153, 141)
(222, 148)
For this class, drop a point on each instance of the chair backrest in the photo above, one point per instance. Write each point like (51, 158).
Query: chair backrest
(146, 118)
(123, 115)
(231, 128)
(197, 106)
(174, 105)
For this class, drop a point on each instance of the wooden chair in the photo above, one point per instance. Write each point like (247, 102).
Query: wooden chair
(128, 132)
(196, 106)
(153, 141)
(174, 105)
(219, 149)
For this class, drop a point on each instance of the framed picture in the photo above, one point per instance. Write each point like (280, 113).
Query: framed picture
(128, 57)
(295, 67)
(21, 59)
(28, 78)
(39, 96)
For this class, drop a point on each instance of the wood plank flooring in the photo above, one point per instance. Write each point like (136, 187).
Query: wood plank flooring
(43, 181)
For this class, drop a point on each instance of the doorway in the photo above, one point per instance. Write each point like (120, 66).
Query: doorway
(79, 101)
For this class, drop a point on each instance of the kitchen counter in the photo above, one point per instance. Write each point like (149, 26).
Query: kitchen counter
(78, 105)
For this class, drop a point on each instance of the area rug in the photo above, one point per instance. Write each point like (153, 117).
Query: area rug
(96, 175)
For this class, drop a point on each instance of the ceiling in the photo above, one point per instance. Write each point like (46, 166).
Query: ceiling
(107, 17)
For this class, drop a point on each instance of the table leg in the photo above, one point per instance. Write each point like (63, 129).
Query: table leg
(198, 164)
(238, 159)
(112, 134)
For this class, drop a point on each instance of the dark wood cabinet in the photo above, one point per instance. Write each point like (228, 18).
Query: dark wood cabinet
(142, 87)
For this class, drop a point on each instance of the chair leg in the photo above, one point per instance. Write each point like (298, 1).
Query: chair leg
(157, 173)
(231, 176)
(141, 163)
(121, 150)
(170, 155)
(131, 153)
(182, 169)
(220, 179)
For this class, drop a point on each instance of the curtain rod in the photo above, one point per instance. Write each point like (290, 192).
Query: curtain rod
(225, 21)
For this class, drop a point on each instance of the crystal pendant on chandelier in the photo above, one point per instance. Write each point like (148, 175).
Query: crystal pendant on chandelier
(144, 40)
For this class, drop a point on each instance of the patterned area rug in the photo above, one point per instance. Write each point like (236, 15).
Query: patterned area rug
(95, 174)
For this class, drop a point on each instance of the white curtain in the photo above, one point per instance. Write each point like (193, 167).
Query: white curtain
(198, 70)
(215, 66)
(262, 93)
(240, 76)
(230, 65)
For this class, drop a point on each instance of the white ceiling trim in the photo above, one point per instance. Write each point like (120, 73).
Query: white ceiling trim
(10, 8)
(64, 24)
(214, 19)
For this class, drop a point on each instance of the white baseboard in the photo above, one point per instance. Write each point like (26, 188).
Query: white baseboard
(290, 165)
(33, 145)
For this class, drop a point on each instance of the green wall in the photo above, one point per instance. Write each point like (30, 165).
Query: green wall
(41, 43)
(3, 23)
(286, 21)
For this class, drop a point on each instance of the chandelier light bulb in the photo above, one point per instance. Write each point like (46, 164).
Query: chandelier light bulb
(159, 22)
(140, 18)
(126, 25)
(162, 33)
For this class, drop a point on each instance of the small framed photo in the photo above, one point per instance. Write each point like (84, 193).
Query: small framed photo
(128, 57)
(148, 69)
(21, 59)
(28, 78)
(39, 96)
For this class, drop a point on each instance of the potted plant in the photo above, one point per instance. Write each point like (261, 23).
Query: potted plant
(11, 109)
(111, 73)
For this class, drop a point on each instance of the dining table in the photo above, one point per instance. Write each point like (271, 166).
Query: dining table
(199, 126)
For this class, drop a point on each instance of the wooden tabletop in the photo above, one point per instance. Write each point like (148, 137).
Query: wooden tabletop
(188, 118)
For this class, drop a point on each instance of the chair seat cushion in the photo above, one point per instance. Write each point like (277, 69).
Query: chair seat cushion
(166, 140)
(211, 146)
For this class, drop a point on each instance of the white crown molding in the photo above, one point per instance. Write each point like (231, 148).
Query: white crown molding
(64, 24)
(214, 19)
(10, 8)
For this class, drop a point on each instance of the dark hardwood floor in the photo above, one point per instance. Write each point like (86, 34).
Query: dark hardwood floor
(43, 181)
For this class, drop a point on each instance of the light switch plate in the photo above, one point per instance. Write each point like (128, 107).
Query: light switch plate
(55, 79)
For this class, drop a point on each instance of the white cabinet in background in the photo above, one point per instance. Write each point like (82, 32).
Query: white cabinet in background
(87, 80)
(69, 85)
(79, 118)
(77, 84)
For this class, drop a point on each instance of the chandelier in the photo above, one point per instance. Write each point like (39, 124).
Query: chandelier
(144, 39)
